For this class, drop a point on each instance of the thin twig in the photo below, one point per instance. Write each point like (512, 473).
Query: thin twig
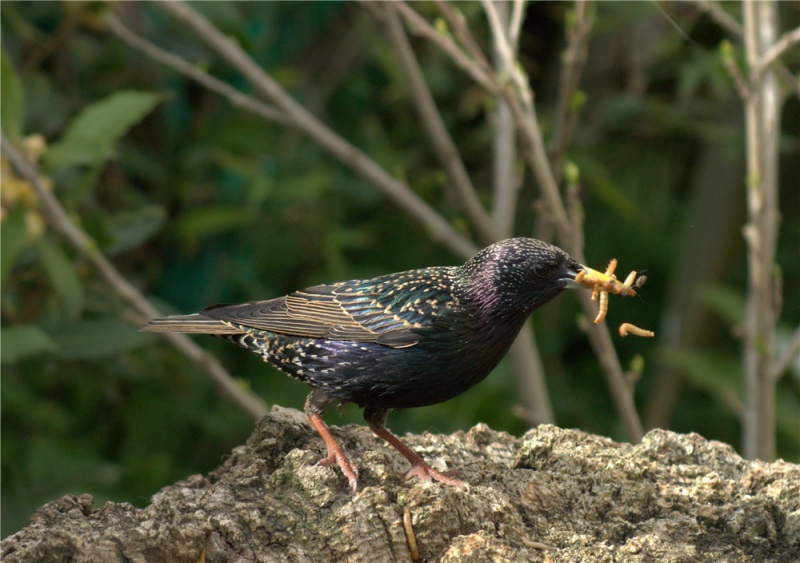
(505, 180)
(786, 42)
(237, 98)
(526, 361)
(61, 222)
(499, 33)
(515, 25)
(462, 32)
(419, 26)
(722, 17)
(524, 111)
(733, 70)
(438, 227)
(782, 363)
(574, 59)
(729, 23)
(431, 120)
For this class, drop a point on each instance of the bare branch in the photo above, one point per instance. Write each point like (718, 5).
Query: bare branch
(530, 379)
(237, 98)
(782, 364)
(60, 221)
(524, 112)
(506, 181)
(499, 33)
(574, 59)
(733, 27)
(462, 32)
(438, 228)
(722, 17)
(431, 120)
(762, 120)
(529, 125)
(418, 25)
(621, 391)
(526, 360)
(733, 70)
(786, 42)
(515, 25)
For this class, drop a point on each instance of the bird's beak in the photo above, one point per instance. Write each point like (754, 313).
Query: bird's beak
(589, 273)
(568, 278)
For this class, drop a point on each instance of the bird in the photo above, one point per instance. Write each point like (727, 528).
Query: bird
(396, 341)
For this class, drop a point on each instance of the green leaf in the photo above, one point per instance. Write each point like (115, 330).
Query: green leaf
(63, 276)
(202, 223)
(90, 137)
(727, 303)
(12, 110)
(93, 339)
(13, 237)
(714, 373)
(129, 229)
(21, 341)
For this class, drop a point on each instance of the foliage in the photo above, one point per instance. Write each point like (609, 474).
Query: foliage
(197, 202)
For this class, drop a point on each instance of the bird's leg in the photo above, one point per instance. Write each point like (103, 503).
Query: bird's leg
(376, 419)
(315, 404)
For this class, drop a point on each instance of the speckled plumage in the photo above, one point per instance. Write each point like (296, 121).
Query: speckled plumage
(401, 340)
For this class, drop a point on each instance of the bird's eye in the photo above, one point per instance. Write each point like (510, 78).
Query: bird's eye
(540, 270)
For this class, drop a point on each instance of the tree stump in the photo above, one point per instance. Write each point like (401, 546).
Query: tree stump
(553, 494)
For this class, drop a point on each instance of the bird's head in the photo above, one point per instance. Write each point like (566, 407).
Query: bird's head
(513, 277)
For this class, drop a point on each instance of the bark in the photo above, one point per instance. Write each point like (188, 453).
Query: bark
(673, 497)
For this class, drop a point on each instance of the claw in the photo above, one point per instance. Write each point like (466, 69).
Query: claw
(345, 465)
(427, 473)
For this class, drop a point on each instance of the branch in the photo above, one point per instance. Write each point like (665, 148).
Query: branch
(431, 120)
(418, 25)
(762, 123)
(515, 26)
(726, 21)
(399, 192)
(506, 182)
(529, 125)
(462, 32)
(723, 18)
(60, 221)
(574, 59)
(537, 158)
(524, 111)
(786, 42)
(781, 365)
(733, 70)
(237, 98)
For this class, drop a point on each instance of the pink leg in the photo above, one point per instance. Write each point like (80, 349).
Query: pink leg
(376, 419)
(335, 452)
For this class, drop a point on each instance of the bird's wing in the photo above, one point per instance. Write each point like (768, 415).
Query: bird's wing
(386, 310)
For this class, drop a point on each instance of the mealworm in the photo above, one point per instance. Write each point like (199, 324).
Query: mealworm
(625, 328)
(410, 537)
(612, 265)
(628, 283)
(603, 283)
(603, 308)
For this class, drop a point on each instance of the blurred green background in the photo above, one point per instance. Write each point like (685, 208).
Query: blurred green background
(201, 203)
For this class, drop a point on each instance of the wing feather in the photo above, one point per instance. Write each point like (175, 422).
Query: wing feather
(387, 310)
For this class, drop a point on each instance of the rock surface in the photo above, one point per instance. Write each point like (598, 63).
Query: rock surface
(552, 495)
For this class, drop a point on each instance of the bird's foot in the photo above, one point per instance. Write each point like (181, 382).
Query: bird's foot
(345, 465)
(427, 473)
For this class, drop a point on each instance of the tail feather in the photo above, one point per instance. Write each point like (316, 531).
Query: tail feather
(196, 323)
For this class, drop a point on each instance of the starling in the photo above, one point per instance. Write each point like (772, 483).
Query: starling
(396, 341)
